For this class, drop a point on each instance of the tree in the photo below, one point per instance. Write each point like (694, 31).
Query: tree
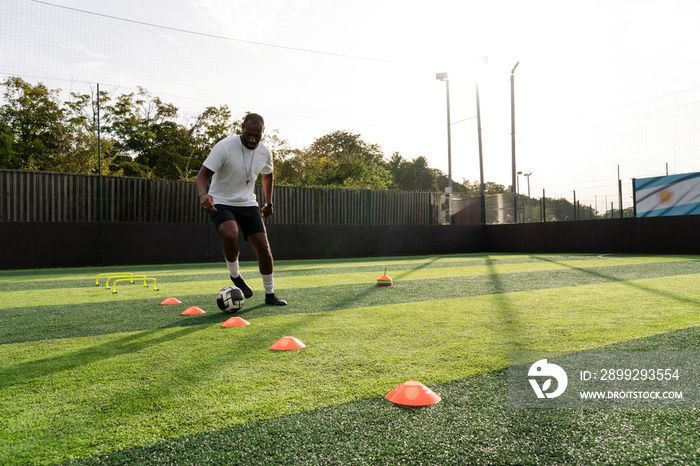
(414, 175)
(37, 126)
(211, 126)
(82, 155)
(141, 137)
(145, 130)
(615, 212)
(135, 121)
(343, 159)
(8, 158)
(285, 159)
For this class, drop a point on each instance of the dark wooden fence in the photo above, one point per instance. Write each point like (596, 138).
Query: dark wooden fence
(32, 196)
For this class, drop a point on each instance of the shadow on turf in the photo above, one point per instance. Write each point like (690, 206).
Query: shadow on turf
(302, 321)
(506, 312)
(215, 317)
(335, 301)
(20, 373)
(411, 271)
(471, 425)
(626, 281)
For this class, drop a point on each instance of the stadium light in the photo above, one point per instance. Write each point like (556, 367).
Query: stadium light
(512, 136)
(443, 77)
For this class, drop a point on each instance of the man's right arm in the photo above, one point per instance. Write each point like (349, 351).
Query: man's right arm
(205, 200)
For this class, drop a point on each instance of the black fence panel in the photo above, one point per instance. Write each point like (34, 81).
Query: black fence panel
(33, 196)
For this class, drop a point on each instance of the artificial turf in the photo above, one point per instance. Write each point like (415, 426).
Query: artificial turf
(108, 378)
(471, 425)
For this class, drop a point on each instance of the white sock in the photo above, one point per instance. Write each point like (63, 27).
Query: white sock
(268, 283)
(233, 268)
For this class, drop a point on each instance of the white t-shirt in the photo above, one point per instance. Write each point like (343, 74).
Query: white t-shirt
(235, 170)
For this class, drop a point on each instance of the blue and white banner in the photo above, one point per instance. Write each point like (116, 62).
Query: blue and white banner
(661, 196)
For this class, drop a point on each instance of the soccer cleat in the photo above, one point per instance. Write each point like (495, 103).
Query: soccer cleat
(240, 283)
(270, 298)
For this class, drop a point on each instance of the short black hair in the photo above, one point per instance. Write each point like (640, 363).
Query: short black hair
(253, 117)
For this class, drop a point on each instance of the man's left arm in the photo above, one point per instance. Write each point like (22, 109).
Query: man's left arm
(267, 183)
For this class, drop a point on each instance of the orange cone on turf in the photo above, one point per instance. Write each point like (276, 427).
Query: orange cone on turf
(235, 322)
(171, 301)
(287, 343)
(384, 280)
(191, 311)
(413, 393)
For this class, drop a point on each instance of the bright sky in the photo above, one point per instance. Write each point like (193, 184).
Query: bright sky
(600, 84)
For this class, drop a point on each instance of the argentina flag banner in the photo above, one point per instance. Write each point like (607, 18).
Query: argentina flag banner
(662, 196)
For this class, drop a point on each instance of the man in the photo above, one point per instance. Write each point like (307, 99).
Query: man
(233, 166)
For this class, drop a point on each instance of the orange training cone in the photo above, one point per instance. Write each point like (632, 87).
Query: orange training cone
(384, 280)
(287, 343)
(191, 311)
(171, 301)
(235, 322)
(413, 393)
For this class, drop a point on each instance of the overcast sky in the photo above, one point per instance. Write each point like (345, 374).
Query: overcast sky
(600, 84)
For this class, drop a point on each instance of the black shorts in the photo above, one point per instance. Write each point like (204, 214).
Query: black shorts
(249, 219)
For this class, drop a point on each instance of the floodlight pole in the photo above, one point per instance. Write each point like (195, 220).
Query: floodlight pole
(481, 158)
(517, 182)
(512, 139)
(448, 190)
(443, 77)
(484, 61)
(619, 190)
(529, 200)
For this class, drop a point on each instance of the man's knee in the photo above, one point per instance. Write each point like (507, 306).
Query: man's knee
(260, 244)
(228, 231)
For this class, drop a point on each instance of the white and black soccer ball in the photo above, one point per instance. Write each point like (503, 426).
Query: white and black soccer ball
(230, 299)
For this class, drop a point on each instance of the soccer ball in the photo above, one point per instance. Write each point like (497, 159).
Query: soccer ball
(230, 299)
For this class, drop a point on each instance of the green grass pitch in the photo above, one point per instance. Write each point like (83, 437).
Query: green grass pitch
(92, 377)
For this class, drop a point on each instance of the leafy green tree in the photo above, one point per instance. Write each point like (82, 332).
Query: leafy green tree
(145, 129)
(135, 121)
(343, 159)
(557, 209)
(414, 175)
(442, 182)
(8, 158)
(37, 124)
(82, 155)
(615, 212)
(495, 188)
(151, 142)
(289, 169)
(286, 160)
(211, 126)
(472, 188)
(141, 137)
(172, 155)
